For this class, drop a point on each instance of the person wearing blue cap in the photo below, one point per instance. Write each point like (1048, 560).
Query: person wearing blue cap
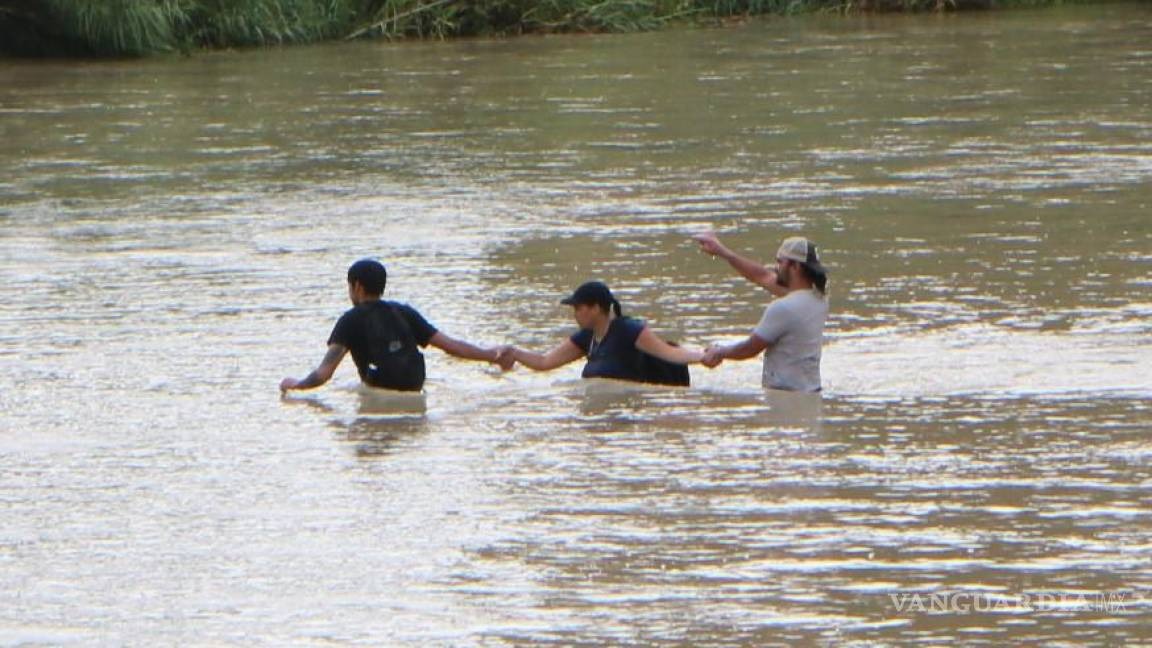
(791, 330)
(616, 346)
(383, 337)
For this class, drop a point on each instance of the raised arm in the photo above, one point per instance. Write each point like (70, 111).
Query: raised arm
(753, 271)
(650, 343)
(320, 374)
(563, 354)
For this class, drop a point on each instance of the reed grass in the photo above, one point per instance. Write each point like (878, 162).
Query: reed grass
(123, 27)
(141, 27)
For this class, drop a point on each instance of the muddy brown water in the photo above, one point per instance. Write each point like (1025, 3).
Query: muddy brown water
(175, 233)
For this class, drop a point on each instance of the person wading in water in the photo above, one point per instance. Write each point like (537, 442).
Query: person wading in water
(791, 331)
(383, 337)
(616, 346)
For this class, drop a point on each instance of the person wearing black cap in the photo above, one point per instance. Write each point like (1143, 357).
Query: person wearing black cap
(383, 337)
(616, 346)
(791, 331)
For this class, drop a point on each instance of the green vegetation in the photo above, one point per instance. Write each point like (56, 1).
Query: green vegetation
(140, 27)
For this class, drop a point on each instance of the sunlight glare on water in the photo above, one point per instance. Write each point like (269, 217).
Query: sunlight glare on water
(175, 236)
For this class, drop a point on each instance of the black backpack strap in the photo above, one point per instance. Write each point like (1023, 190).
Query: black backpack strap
(403, 321)
(396, 369)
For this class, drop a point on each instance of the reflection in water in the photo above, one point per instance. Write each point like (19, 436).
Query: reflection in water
(795, 409)
(307, 400)
(378, 436)
(614, 400)
(384, 402)
(175, 233)
(676, 410)
(384, 420)
(728, 536)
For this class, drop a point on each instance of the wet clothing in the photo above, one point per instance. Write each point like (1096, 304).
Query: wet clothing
(383, 337)
(616, 356)
(793, 327)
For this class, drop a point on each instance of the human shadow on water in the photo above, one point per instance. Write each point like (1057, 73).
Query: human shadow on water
(375, 437)
(687, 408)
(604, 398)
(794, 409)
(384, 421)
(308, 401)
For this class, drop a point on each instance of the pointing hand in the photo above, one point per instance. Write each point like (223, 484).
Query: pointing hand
(709, 243)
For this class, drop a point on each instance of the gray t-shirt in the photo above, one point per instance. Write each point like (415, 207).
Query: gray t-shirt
(793, 327)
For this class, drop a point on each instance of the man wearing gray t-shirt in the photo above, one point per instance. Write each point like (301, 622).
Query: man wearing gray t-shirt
(791, 330)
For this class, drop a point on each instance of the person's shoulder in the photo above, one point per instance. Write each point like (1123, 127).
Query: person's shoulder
(424, 329)
(800, 298)
(351, 313)
(810, 299)
(799, 305)
(788, 306)
(629, 328)
(407, 309)
(779, 304)
(582, 339)
(581, 334)
(632, 323)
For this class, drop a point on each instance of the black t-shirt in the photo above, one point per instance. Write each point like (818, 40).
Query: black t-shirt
(616, 356)
(357, 330)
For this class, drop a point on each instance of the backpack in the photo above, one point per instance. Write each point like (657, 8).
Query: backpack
(661, 372)
(395, 361)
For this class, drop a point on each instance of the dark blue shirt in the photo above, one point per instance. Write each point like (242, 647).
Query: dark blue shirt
(364, 333)
(616, 356)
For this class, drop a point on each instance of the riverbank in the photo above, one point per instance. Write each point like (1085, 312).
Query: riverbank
(125, 28)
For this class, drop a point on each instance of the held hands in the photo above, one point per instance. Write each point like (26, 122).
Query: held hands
(713, 356)
(505, 357)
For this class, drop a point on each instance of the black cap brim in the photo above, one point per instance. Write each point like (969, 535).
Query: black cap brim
(815, 267)
(591, 292)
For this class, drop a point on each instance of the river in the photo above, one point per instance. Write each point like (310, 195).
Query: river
(175, 233)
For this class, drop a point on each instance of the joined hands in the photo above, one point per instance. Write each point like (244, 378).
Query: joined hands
(713, 356)
(505, 357)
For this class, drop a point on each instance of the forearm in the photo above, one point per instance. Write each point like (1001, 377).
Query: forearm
(462, 349)
(311, 381)
(679, 355)
(320, 374)
(751, 270)
(649, 343)
(470, 351)
(685, 356)
(749, 348)
(534, 361)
